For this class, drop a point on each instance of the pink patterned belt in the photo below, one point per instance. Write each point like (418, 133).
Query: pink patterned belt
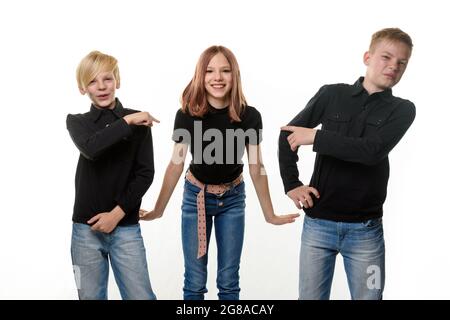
(216, 189)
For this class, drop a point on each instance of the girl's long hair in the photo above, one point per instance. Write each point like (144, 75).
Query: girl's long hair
(193, 99)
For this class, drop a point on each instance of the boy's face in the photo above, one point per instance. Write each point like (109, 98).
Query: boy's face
(386, 63)
(101, 90)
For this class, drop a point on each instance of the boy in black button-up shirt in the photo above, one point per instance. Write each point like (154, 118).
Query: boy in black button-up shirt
(115, 169)
(361, 124)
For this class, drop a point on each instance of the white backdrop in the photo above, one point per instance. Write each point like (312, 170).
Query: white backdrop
(286, 50)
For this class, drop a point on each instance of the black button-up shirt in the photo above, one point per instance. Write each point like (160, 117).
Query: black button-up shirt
(115, 165)
(358, 131)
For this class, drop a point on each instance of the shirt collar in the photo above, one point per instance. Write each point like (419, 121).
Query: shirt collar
(215, 110)
(358, 88)
(95, 113)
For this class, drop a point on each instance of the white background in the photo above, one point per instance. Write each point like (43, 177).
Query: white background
(286, 50)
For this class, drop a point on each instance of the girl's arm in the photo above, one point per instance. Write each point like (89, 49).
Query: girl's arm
(260, 182)
(171, 177)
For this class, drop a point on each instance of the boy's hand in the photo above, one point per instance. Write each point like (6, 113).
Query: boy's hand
(301, 196)
(140, 119)
(149, 215)
(300, 136)
(106, 222)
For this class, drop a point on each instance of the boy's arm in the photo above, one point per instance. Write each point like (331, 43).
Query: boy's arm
(309, 117)
(142, 176)
(92, 145)
(371, 149)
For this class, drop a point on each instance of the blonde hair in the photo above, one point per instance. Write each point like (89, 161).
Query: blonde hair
(94, 63)
(392, 34)
(194, 95)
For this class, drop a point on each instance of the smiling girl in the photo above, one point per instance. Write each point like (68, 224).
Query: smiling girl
(219, 126)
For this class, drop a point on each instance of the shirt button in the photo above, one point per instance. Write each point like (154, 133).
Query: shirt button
(220, 203)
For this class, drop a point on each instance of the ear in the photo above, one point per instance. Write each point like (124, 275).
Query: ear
(82, 91)
(117, 84)
(366, 58)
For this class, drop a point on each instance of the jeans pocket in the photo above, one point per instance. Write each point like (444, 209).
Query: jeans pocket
(310, 222)
(240, 188)
(190, 187)
(189, 202)
(312, 219)
(80, 229)
(371, 223)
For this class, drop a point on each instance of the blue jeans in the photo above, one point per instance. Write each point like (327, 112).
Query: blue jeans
(227, 211)
(124, 247)
(362, 248)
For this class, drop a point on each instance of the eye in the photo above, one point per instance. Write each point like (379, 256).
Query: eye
(209, 71)
(385, 57)
(226, 70)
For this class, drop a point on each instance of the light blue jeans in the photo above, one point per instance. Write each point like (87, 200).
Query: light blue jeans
(124, 247)
(227, 212)
(362, 248)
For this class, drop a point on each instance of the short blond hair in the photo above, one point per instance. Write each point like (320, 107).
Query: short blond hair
(391, 34)
(94, 63)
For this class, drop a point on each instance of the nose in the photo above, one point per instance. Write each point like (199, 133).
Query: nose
(101, 85)
(218, 75)
(394, 66)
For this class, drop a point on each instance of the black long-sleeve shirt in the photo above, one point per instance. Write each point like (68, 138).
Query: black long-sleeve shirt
(351, 169)
(115, 165)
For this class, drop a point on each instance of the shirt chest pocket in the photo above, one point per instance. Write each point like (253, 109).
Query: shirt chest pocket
(373, 123)
(337, 122)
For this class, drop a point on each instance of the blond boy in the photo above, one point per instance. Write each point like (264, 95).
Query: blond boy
(115, 169)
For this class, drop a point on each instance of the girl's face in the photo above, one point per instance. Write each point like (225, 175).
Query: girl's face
(218, 81)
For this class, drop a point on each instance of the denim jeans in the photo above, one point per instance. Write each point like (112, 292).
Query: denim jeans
(124, 247)
(227, 212)
(362, 248)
